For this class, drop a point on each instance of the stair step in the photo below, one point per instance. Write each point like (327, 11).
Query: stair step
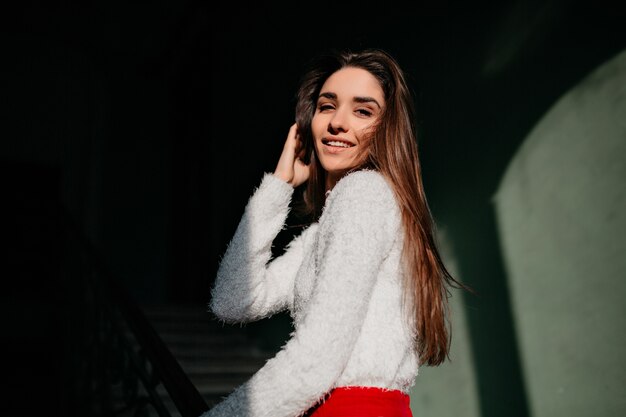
(207, 338)
(200, 352)
(215, 356)
(242, 365)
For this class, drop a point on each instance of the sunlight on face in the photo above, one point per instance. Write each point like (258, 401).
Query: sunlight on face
(350, 102)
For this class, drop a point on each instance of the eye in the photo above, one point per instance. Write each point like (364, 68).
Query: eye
(325, 106)
(364, 112)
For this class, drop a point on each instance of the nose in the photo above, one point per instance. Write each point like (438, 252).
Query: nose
(339, 122)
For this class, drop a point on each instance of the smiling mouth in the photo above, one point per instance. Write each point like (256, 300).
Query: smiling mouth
(337, 143)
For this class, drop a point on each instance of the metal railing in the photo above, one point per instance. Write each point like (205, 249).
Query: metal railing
(120, 365)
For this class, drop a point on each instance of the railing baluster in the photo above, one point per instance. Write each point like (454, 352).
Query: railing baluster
(116, 360)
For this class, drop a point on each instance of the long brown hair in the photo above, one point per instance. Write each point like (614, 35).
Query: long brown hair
(391, 150)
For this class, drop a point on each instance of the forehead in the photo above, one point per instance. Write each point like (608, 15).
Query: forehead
(352, 82)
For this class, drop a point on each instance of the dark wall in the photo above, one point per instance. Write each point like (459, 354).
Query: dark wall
(162, 118)
(152, 123)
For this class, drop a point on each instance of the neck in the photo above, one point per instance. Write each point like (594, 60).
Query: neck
(331, 180)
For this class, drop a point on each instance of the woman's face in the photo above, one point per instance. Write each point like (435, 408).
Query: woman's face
(349, 104)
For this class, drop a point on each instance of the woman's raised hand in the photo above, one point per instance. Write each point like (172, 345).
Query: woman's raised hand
(290, 167)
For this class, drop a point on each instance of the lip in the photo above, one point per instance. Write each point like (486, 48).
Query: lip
(328, 139)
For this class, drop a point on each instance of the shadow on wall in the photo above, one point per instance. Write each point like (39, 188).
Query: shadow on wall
(430, 395)
(562, 223)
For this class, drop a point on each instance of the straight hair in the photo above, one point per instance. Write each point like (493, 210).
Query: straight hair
(392, 150)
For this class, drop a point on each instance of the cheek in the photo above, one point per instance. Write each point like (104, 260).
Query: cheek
(367, 127)
(317, 126)
(366, 132)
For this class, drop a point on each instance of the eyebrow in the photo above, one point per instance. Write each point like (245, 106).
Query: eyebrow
(358, 99)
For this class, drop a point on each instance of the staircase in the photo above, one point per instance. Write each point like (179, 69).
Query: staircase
(217, 358)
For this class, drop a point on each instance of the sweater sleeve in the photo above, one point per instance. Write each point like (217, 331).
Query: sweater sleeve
(246, 287)
(356, 232)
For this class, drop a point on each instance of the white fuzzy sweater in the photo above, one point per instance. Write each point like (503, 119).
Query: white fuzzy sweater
(341, 281)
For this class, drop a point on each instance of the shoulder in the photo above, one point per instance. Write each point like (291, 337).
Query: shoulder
(362, 208)
(365, 185)
(364, 176)
(363, 192)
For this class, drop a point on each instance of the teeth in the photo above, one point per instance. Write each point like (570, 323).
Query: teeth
(337, 143)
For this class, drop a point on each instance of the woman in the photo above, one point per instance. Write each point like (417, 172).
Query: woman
(364, 282)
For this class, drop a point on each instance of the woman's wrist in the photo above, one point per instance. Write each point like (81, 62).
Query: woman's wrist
(282, 177)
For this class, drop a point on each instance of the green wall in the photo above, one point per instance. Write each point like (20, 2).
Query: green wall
(562, 223)
(449, 390)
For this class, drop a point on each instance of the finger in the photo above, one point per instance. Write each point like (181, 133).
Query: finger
(300, 150)
(291, 137)
(298, 143)
(285, 166)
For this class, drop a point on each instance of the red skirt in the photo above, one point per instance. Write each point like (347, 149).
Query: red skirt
(362, 402)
